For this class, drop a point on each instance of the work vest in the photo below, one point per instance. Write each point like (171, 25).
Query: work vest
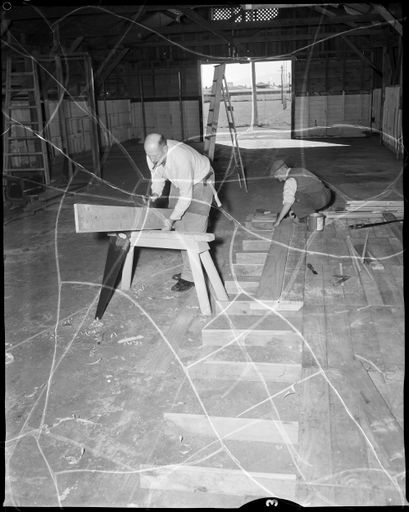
(307, 182)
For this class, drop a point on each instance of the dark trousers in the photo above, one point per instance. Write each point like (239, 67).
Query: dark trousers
(195, 219)
(305, 204)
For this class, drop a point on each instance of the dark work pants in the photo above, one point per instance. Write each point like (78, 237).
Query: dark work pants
(305, 204)
(197, 222)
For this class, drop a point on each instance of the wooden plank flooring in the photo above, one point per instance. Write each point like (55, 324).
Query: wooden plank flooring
(307, 398)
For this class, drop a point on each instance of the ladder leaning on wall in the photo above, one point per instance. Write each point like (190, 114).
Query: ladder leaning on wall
(25, 156)
(220, 92)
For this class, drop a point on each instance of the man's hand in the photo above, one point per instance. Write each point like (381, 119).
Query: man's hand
(276, 223)
(167, 225)
(148, 200)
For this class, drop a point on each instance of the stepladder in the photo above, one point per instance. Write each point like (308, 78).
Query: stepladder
(197, 247)
(25, 156)
(220, 93)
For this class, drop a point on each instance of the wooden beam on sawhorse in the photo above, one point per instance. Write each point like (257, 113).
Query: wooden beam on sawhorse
(197, 247)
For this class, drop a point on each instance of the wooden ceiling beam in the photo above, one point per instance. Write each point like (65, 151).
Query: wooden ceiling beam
(114, 57)
(346, 39)
(387, 16)
(361, 55)
(203, 23)
(260, 39)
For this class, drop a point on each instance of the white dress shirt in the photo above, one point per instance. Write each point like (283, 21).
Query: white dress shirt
(183, 167)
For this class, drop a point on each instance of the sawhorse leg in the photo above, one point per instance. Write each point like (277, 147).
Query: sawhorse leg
(214, 277)
(127, 270)
(200, 283)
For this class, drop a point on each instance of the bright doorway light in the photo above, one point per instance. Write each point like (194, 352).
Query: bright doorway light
(265, 107)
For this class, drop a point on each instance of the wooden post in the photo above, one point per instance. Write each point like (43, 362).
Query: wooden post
(181, 105)
(254, 112)
(142, 106)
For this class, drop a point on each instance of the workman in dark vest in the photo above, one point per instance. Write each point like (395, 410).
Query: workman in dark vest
(303, 192)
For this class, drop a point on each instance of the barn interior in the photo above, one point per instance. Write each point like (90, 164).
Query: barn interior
(280, 374)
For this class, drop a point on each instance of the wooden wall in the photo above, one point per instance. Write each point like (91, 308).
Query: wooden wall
(392, 120)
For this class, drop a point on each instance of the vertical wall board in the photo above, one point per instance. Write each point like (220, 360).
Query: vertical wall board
(392, 120)
(335, 109)
(192, 121)
(314, 115)
(377, 109)
(318, 115)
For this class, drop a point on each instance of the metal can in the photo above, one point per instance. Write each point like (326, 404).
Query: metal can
(316, 222)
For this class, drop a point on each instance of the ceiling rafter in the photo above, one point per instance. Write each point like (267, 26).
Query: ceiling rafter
(349, 43)
(202, 22)
(396, 24)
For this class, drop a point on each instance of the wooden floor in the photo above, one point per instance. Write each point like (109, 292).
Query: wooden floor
(298, 383)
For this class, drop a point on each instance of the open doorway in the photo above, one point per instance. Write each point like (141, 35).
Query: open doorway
(260, 94)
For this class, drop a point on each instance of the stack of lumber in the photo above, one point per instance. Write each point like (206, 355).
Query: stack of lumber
(375, 206)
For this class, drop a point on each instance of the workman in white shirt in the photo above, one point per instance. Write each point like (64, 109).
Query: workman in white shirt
(192, 190)
(303, 192)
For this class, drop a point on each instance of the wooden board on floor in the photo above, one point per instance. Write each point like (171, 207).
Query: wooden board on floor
(217, 480)
(251, 257)
(314, 332)
(241, 429)
(256, 245)
(246, 371)
(247, 269)
(242, 305)
(315, 457)
(271, 281)
(219, 337)
(373, 414)
(235, 287)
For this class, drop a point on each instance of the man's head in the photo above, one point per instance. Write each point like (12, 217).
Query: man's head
(279, 170)
(155, 147)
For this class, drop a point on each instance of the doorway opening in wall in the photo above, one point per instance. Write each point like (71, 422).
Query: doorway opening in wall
(260, 94)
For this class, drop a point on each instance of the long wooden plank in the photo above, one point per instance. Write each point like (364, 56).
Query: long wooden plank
(375, 417)
(348, 446)
(247, 269)
(217, 480)
(241, 429)
(256, 245)
(315, 456)
(242, 306)
(234, 287)
(92, 218)
(247, 371)
(271, 281)
(251, 257)
(220, 337)
(270, 322)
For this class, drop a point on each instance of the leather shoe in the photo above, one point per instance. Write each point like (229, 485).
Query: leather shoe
(182, 285)
(176, 277)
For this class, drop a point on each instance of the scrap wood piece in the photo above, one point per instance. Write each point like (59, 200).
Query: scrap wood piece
(272, 277)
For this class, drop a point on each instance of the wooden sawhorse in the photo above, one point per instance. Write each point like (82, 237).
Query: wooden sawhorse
(197, 247)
